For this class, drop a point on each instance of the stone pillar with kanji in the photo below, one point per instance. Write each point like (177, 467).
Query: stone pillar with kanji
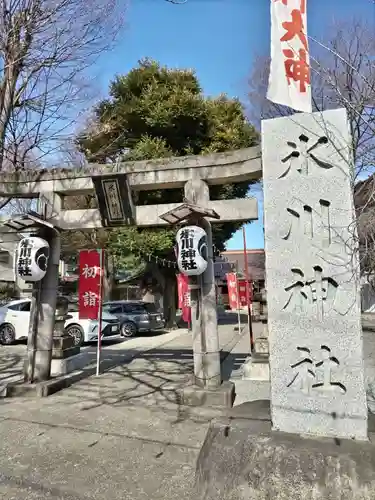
(313, 283)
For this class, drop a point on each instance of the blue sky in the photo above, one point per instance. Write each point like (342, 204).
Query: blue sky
(217, 38)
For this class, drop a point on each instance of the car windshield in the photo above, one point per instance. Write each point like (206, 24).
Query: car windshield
(150, 307)
(73, 307)
(111, 307)
(6, 304)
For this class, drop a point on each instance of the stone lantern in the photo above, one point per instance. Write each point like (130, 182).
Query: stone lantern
(63, 344)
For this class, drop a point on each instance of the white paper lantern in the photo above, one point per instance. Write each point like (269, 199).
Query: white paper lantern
(192, 250)
(32, 258)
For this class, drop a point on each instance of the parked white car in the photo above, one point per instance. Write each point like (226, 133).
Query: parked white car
(15, 319)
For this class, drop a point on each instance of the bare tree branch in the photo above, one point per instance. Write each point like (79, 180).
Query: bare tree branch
(46, 46)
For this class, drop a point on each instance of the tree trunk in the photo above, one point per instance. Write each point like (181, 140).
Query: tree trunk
(169, 301)
(109, 277)
(166, 278)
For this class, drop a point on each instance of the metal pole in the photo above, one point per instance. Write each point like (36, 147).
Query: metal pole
(99, 345)
(246, 269)
(238, 299)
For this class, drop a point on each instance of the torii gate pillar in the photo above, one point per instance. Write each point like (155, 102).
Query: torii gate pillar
(208, 389)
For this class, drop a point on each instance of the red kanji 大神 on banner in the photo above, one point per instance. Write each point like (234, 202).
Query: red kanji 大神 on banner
(89, 285)
(290, 81)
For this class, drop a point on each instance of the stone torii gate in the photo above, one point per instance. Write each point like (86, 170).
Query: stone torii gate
(116, 188)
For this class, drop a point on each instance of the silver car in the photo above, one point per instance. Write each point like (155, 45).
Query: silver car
(135, 316)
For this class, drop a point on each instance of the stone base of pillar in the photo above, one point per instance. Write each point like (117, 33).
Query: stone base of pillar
(256, 367)
(242, 454)
(261, 346)
(220, 397)
(63, 347)
(63, 366)
(66, 358)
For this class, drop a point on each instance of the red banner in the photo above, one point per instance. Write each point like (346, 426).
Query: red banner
(237, 291)
(242, 292)
(232, 290)
(290, 78)
(89, 285)
(184, 297)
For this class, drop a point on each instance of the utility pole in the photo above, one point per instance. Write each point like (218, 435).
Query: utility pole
(246, 269)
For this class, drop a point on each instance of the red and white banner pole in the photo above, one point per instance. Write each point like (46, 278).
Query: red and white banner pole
(90, 290)
(100, 320)
(238, 300)
(247, 277)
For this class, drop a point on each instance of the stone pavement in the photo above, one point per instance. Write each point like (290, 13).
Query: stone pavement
(11, 357)
(113, 352)
(121, 435)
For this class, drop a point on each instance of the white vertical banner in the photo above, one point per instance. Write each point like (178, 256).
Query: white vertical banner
(290, 82)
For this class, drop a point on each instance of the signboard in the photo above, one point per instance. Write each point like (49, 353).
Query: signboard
(90, 283)
(192, 250)
(32, 258)
(114, 199)
(232, 291)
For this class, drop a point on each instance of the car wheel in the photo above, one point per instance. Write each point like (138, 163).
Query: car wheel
(76, 332)
(128, 329)
(7, 334)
